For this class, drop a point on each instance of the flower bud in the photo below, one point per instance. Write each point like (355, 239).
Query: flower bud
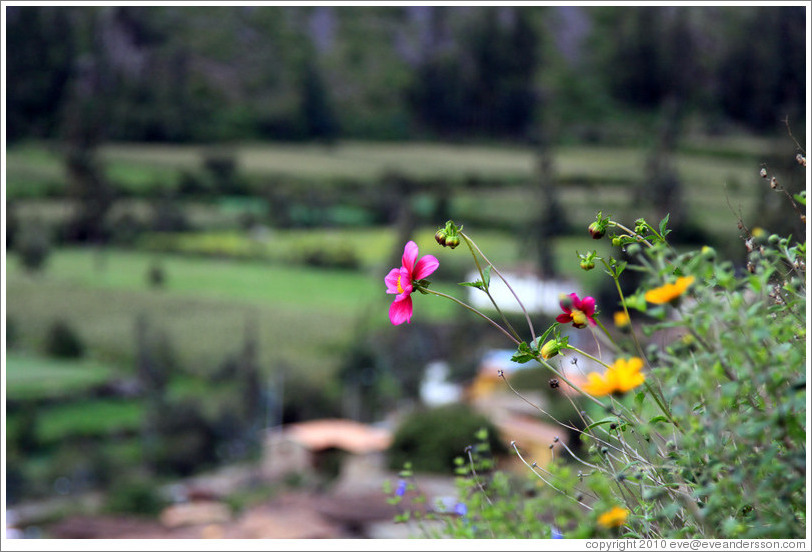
(708, 252)
(587, 265)
(616, 242)
(440, 237)
(549, 350)
(452, 241)
(596, 230)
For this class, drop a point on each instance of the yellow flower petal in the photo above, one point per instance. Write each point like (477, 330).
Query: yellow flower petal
(669, 292)
(621, 319)
(627, 374)
(598, 385)
(613, 518)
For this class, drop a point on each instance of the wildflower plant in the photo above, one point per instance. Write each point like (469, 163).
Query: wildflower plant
(695, 424)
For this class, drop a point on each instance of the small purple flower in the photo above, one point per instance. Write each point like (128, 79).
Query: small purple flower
(461, 509)
(555, 533)
(401, 490)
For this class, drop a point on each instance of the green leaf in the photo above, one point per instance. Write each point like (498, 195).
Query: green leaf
(478, 284)
(663, 224)
(524, 354)
(639, 398)
(657, 419)
(486, 276)
(611, 420)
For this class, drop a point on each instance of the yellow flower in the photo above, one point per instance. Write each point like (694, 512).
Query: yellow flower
(622, 376)
(627, 374)
(621, 319)
(613, 518)
(598, 385)
(669, 292)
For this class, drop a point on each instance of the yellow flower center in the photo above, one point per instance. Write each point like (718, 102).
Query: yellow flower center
(400, 287)
(578, 317)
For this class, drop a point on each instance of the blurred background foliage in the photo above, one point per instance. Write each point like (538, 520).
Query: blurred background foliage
(209, 74)
(202, 202)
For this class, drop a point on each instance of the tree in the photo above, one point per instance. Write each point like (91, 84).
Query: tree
(41, 47)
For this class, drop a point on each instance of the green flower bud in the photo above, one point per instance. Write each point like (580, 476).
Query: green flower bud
(549, 350)
(452, 241)
(597, 230)
(616, 242)
(708, 252)
(587, 265)
(440, 237)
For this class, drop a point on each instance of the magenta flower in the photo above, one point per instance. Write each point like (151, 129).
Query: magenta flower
(400, 282)
(577, 311)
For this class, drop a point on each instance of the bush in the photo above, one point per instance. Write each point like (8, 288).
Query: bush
(12, 333)
(696, 413)
(33, 245)
(156, 275)
(134, 496)
(343, 258)
(431, 439)
(62, 341)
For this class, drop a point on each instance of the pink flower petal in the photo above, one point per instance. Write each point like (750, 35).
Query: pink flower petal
(564, 318)
(391, 281)
(400, 311)
(588, 306)
(425, 266)
(409, 256)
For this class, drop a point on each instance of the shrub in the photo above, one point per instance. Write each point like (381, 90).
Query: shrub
(33, 245)
(62, 341)
(156, 275)
(694, 421)
(12, 333)
(134, 495)
(335, 257)
(431, 439)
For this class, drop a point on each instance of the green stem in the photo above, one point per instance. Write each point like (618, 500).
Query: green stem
(631, 232)
(626, 310)
(608, 335)
(662, 406)
(659, 402)
(587, 355)
(549, 366)
(473, 310)
(486, 286)
(496, 270)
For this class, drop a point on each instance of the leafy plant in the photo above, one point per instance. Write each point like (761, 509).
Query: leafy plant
(694, 424)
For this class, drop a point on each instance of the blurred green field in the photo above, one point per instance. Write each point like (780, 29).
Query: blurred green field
(32, 377)
(224, 275)
(94, 418)
(719, 177)
(303, 315)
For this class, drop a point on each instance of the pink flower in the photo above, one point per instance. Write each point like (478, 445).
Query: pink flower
(577, 311)
(400, 282)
